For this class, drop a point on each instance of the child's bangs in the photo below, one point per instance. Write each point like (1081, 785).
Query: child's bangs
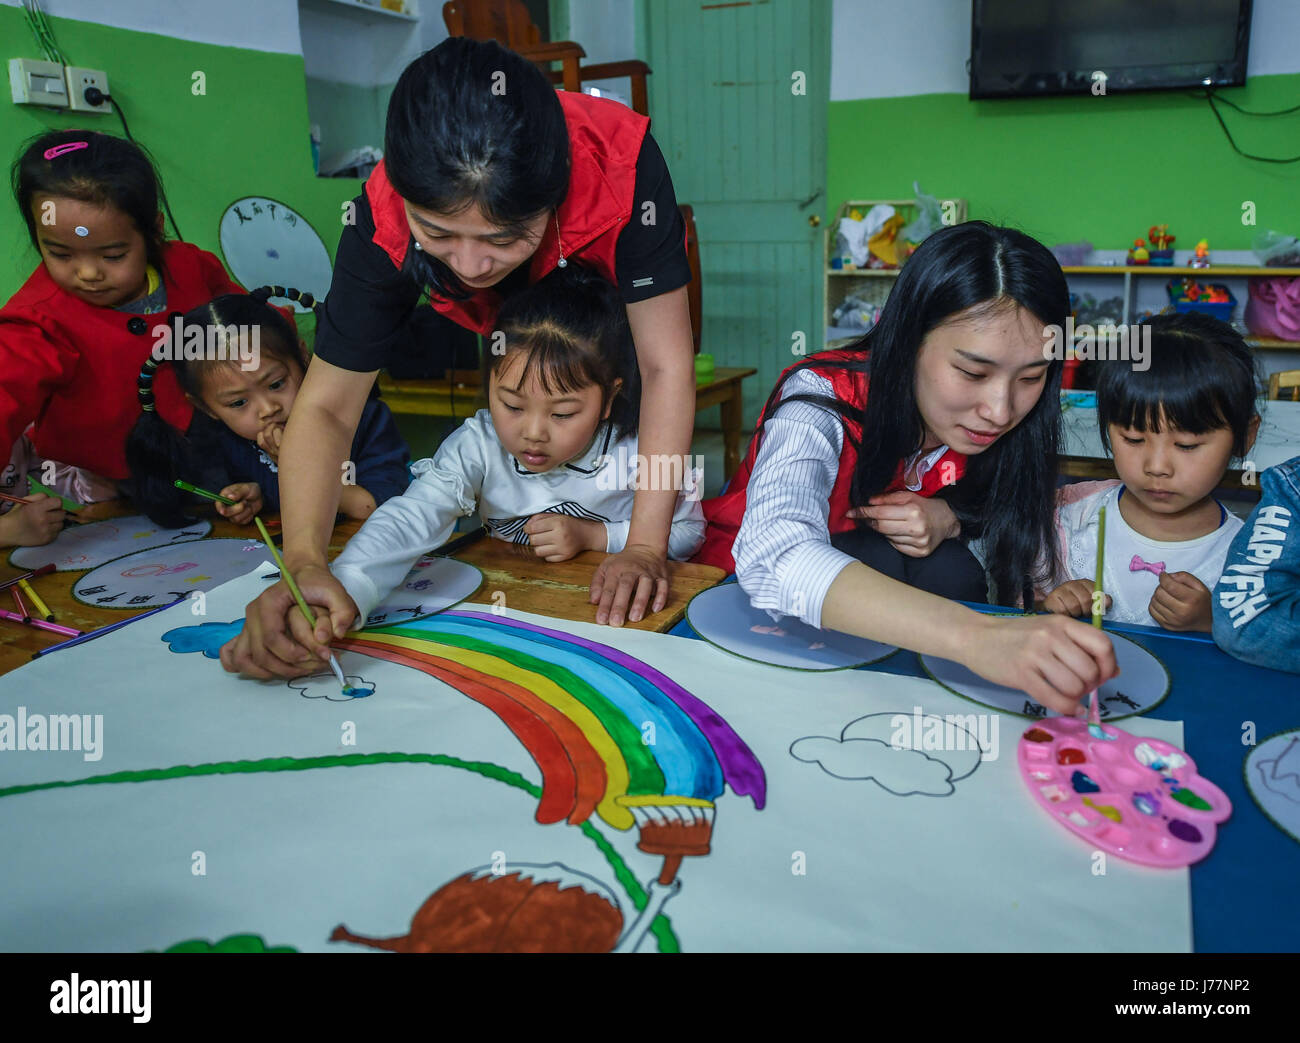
(552, 358)
(1184, 390)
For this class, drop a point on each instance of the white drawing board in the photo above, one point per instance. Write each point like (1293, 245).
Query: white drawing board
(85, 546)
(432, 585)
(1273, 778)
(723, 616)
(1141, 685)
(268, 243)
(273, 811)
(160, 575)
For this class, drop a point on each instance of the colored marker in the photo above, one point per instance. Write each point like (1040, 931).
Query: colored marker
(12, 499)
(43, 570)
(23, 615)
(53, 628)
(90, 635)
(35, 599)
(37, 487)
(204, 492)
(297, 596)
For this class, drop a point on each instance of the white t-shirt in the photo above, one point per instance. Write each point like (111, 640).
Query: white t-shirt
(473, 471)
(1130, 584)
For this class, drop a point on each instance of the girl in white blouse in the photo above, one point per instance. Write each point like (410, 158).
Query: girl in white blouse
(551, 463)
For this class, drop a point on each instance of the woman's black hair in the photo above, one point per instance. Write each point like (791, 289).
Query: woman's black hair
(156, 453)
(103, 170)
(573, 326)
(1007, 493)
(470, 123)
(1200, 376)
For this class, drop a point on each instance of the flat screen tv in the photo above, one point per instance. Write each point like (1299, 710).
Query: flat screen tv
(1027, 48)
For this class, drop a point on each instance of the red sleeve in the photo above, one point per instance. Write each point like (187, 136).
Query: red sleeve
(215, 275)
(34, 366)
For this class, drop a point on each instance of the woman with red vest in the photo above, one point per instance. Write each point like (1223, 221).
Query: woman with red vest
(850, 509)
(490, 180)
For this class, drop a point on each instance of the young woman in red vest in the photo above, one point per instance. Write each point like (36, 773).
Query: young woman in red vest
(490, 180)
(851, 508)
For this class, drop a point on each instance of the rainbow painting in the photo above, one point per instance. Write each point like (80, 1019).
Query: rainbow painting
(611, 735)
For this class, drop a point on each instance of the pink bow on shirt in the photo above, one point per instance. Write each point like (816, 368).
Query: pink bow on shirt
(1138, 565)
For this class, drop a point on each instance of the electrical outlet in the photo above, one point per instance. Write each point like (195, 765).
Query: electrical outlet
(37, 83)
(78, 80)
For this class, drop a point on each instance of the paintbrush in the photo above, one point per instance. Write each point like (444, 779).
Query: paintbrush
(1098, 600)
(297, 596)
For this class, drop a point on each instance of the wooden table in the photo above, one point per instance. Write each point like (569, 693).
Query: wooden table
(524, 581)
(460, 398)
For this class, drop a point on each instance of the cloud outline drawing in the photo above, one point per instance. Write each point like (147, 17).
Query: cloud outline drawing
(329, 687)
(861, 754)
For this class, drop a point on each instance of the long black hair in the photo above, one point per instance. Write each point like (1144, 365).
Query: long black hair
(1007, 493)
(573, 326)
(156, 453)
(1200, 377)
(101, 169)
(470, 123)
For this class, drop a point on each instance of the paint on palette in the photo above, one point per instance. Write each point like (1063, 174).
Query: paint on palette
(1138, 799)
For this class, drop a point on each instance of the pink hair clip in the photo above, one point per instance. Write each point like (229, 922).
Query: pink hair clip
(1138, 565)
(67, 146)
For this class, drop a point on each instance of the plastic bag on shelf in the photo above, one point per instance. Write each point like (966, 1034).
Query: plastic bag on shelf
(928, 220)
(1277, 250)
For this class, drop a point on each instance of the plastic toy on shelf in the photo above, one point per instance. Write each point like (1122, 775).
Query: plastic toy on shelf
(1138, 253)
(1201, 258)
(1162, 245)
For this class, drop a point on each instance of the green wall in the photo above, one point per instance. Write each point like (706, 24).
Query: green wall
(248, 135)
(1063, 169)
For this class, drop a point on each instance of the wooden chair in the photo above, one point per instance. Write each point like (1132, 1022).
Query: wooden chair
(509, 23)
(1289, 379)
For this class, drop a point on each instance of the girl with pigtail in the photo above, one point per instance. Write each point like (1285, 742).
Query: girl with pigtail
(239, 362)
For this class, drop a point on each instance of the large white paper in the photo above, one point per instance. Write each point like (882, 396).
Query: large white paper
(419, 797)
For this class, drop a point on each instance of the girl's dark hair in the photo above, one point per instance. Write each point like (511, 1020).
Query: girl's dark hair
(156, 453)
(108, 171)
(1007, 494)
(1200, 377)
(470, 123)
(573, 326)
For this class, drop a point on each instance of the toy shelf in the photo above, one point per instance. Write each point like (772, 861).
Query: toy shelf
(1230, 270)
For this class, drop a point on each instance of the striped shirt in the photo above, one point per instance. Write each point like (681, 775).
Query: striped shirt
(783, 553)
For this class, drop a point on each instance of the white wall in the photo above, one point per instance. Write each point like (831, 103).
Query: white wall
(259, 25)
(892, 48)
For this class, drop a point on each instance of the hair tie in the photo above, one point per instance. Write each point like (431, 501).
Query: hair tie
(307, 300)
(56, 151)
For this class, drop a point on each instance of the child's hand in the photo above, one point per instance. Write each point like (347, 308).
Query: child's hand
(269, 439)
(557, 537)
(248, 502)
(1182, 602)
(914, 525)
(32, 524)
(1073, 599)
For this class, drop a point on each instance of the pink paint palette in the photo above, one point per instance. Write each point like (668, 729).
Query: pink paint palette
(1139, 799)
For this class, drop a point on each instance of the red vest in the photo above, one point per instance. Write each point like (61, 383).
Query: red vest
(725, 513)
(604, 142)
(73, 367)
